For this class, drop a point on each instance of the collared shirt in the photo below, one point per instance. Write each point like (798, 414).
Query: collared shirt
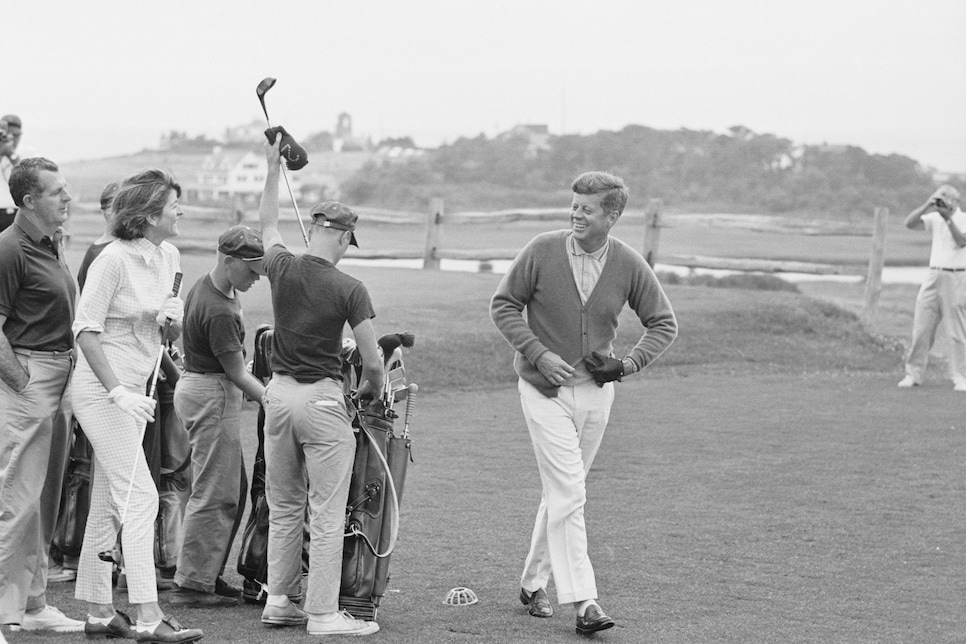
(37, 291)
(945, 252)
(587, 267)
(125, 288)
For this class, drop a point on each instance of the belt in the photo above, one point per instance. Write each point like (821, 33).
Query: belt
(948, 270)
(69, 353)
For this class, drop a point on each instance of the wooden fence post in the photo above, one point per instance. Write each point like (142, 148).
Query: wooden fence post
(652, 230)
(430, 259)
(873, 283)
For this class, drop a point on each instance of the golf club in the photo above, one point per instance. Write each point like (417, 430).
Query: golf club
(108, 555)
(268, 83)
(410, 404)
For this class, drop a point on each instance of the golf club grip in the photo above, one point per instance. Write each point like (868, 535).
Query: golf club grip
(410, 406)
(176, 287)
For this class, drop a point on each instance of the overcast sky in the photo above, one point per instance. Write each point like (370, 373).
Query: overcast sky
(104, 77)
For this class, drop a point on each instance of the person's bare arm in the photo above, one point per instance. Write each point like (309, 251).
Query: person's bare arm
(234, 365)
(268, 208)
(373, 372)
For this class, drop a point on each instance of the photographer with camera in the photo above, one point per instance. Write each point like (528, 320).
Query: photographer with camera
(942, 297)
(10, 129)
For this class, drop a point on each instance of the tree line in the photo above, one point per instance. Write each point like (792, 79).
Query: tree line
(690, 170)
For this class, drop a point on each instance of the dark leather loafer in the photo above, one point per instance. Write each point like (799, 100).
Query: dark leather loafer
(225, 589)
(593, 620)
(169, 631)
(120, 628)
(537, 603)
(191, 598)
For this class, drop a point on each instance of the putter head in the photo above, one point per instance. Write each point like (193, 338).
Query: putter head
(267, 83)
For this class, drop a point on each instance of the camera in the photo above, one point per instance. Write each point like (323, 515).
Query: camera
(939, 202)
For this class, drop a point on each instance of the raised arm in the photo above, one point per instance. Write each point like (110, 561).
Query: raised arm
(268, 209)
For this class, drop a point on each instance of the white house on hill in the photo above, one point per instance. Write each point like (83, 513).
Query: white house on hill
(231, 176)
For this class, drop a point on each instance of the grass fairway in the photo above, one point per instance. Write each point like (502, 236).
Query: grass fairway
(764, 482)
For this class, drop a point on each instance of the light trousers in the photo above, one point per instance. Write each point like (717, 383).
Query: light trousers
(566, 432)
(34, 446)
(941, 298)
(209, 406)
(118, 454)
(309, 451)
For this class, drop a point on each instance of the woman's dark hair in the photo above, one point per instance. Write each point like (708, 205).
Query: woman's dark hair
(141, 197)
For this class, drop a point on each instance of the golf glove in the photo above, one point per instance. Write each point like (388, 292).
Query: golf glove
(294, 154)
(172, 310)
(141, 407)
(604, 368)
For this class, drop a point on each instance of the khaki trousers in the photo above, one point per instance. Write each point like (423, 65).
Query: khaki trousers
(34, 440)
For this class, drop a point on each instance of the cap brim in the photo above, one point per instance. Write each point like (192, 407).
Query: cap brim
(256, 265)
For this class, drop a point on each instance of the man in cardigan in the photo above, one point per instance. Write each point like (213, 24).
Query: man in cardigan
(573, 284)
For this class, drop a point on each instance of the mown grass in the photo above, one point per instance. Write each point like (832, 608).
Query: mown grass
(763, 482)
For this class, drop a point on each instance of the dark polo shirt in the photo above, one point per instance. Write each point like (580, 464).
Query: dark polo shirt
(312, 300)
(37, 291)
(213, 326)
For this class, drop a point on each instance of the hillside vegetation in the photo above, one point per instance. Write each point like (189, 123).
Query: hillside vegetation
(690, 170)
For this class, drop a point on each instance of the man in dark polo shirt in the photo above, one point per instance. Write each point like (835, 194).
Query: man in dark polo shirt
(208, 399)
(36, 356)
(309, 444)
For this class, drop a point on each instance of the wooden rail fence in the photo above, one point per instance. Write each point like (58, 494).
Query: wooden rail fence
(650, 246)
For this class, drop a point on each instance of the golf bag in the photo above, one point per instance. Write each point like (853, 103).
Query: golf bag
(372, 512)
(75, 499)
(170, 463)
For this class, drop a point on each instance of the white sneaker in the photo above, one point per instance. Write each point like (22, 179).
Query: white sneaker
(343, 624)
(57, 573)
(49, 619)
(907, 382)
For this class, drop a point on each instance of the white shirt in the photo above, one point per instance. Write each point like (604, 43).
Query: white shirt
(945, 252)
(122, 296)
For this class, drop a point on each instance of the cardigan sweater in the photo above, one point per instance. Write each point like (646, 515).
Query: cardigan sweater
(540, 281)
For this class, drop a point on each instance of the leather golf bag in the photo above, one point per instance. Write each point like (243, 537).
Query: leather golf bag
(75, 500)
(375, 493)
(168, 453)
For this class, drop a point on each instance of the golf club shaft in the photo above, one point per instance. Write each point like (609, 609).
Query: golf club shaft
(175, 289)
(295, 205)
(291, 194)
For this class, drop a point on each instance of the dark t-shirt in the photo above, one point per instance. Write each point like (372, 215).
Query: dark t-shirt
(92, 252)
(313, 300)
(213, 326)
(37, 291)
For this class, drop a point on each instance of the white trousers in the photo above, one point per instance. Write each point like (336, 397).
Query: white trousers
(566, 432)
(942, 298)
(116, 439)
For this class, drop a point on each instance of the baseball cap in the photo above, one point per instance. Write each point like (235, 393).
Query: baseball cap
(107, 195)
(241, 242)
(336, 215)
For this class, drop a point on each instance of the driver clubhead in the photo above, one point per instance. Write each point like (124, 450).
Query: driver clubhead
(267, 83)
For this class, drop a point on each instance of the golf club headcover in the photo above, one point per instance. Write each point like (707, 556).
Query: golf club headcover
(604, 368)
(294, 154)
(141, 407)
